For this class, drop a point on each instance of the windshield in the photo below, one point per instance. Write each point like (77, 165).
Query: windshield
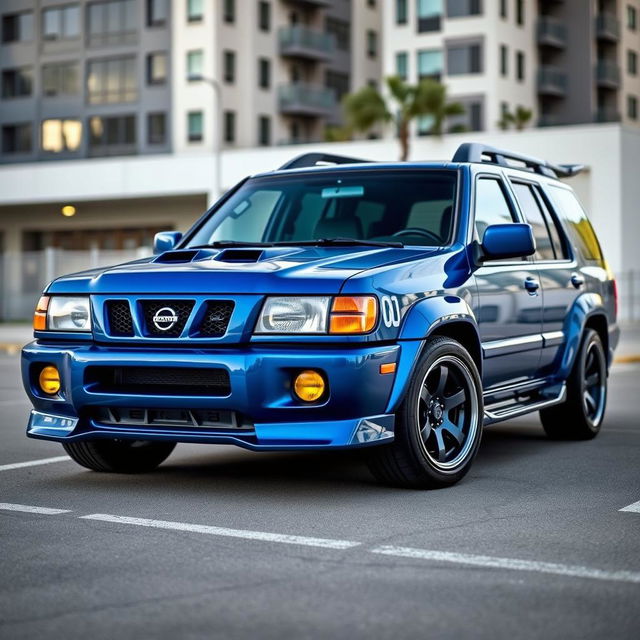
(408, 207)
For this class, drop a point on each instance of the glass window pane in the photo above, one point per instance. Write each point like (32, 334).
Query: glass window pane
(26, 32)
(491, 205)
(51, 29)
(427, 8)
(430, 63)
(71, 20)
(533, 215)
(52, 136)
(72, 134)
(195, 9)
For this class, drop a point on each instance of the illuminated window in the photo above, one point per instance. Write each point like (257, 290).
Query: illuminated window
(61, 135)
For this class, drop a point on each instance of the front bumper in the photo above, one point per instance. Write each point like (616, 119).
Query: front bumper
(357, 411)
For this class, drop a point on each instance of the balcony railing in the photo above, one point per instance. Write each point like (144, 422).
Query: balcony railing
(552, 81)
(607, 27)
(608, 74)
(302, 42)
(552, 32)
(306, 100)
(608, 114)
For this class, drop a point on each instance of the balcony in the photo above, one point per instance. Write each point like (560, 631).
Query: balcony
(552, 81)
(551, 33)
(314, 4)
(607, 27)
(301, 42)
(607, 74)
(306, 100)
(607, 114)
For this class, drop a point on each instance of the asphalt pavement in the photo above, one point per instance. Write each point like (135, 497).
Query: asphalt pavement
(225, 543)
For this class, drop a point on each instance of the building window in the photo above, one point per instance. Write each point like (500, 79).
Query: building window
(17, 27)
(371, 3)
(157, 13)
(264, 131)
(632, 17)
(425, 125)
(17, 83)
(464, 59)
(520, 71)
(16, 138)
(195, 126)
(503, 9)
(112, 22)
(430, 63)
(60, 78)
(338, 82)
(230, 126)
(632, 107)
(156, 128)
(229, 66)
(340, 31)
(157, 68)
(59, 136)
(401, 12)
(61, 23)
(504, 60)
(463, 8)
(264, 16)
(520, 12)
(632, 63)
(195, 10)
(112, 136)
(402, 64)
(229, 11)
(372, 44)
(264, 73)
(195, 64)
(429, 15)
(112, 80)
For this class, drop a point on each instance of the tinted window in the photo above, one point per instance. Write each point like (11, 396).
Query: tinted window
(533, 215)
(557, 238)
(576, 222)
(491, 205)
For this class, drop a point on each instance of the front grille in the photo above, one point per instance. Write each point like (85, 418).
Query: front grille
(216, 318)
(166, 318)
(119, 318)
(212, 419)
(159, 381)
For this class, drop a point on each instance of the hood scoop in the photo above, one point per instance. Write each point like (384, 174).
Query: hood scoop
(176, 257)
(239, 255)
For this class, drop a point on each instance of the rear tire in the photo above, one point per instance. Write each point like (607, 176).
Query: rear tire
(439, 423)
(119, 456)
(580, 416)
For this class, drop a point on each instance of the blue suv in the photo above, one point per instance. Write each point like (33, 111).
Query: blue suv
(339, 303)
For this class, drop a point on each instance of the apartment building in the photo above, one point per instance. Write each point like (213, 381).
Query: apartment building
(569, 61)
(95, 78)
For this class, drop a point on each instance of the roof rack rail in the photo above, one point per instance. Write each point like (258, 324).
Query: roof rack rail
(478, 153)
(315, 159)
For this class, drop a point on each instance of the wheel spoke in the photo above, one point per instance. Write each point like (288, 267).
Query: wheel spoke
(592, 380)
(425, 432)
(591, 403)
(442, 450)
(442, 382)
(454, 430)
(590, 361)
(455, 400)
(425, 396)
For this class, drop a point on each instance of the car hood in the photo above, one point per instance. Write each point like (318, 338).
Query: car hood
(283, 270)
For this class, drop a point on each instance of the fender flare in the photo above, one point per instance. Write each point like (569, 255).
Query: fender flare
(422, 320)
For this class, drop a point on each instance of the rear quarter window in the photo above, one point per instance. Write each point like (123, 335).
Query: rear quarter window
(575, 220)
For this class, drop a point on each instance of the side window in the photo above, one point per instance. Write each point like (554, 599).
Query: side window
(557, 237)
(533, 215)
(491, 205)
(577, 224)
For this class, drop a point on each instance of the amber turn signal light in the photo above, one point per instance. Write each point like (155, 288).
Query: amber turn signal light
(353, 314)
(309, 385)
(388, 367)
(40, 315)
(49, 380)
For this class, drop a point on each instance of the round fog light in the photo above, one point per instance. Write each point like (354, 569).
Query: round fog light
(309, 386)
(49, 380)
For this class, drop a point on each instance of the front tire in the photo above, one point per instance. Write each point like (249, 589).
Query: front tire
(580, 416)
(119, 456)
(439, 423)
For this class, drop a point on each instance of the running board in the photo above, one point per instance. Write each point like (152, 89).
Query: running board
(506, 410)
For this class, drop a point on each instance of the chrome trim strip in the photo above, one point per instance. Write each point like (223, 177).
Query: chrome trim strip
(553, 338)
(519, 343)
(519, 410)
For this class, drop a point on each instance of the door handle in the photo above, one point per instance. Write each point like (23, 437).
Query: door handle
(531, 285)
(577, 280)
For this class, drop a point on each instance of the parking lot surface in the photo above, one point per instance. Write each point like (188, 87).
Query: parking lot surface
(542, 539)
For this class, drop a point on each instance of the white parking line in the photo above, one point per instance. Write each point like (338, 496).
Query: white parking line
(509, 563)
(45, 511)
(221, 531)
(634, 508)
(33, 463)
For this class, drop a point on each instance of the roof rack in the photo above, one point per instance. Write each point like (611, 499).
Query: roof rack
(318, 159)
(476, 152)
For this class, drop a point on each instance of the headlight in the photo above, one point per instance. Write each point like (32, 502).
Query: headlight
(307, 314)
(69, 313)
(294, 315)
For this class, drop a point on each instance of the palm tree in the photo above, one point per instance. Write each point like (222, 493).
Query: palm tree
(519, 118)
(367, 107)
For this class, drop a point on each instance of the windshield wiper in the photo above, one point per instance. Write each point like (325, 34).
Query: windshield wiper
(338, 242)
(222, 244)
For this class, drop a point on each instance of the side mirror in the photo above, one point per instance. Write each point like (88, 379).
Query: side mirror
(501, 241)
(165, 241)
